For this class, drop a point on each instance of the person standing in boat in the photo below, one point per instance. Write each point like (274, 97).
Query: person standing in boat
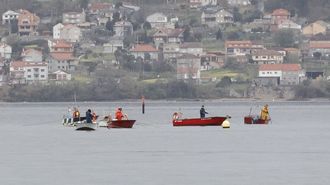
(89, 116)
(202, 112)
(76, 114)
(264, 115)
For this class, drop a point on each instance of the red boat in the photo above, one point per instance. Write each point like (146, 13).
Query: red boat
(252, 119)
(210, 121)
(121, 123)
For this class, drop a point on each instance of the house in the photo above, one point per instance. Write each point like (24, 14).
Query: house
(9, 16)
(213, 60)
(5, 50)
(188, 68)
(57, 31)
(238, 48)
(158, 20)
(59, 75)
(168, 35)
(288, 24)
(194, 48)
(123, 29)
(113, 46)
(145, 51)
(27, 23)
(31, 55)
(95, 8)
(74, 17)
(288, 74)
(214, 16)
(58, 45)
(200, 3)
(61, 61)
(321, 48)
(239, 2)
(171, 51)
(70, 33)
(28, 72)
(318, 27)
(266, 56)
(278, 16)
(293, 55)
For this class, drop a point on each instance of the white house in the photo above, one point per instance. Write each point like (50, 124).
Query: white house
(157, 20)
(199, 3)
(57, 30)
(59, 75)
(5, 50)
(213, 16)
(8, 16)
(74, 17)
(143, 50)
(123, 28)
(28, 72)
(70, 33)
(31, 55)
(265, 56)
(288, 24)
(239, 2)
(288, 74)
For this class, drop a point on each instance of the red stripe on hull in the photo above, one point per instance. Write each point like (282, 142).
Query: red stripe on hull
(121, 124)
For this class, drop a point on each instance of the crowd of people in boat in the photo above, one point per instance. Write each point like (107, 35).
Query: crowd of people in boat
(91, 116)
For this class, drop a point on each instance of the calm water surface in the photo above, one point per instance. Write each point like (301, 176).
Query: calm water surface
(294, 149)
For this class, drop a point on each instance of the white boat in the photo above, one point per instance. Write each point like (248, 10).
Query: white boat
(83, 126)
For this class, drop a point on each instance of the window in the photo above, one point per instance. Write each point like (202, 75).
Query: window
(29, 70)
(42, 76)
(29, 76)
(42, 70)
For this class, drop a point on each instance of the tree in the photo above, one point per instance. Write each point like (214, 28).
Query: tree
(219, 34)
(237, 15)
(83, 4)
(317, 55)
(109, 25)
(186, 34)
(146, 25)
(116, 17)
(284, 38)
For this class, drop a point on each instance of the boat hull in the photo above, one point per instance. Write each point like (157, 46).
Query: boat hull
(209, 121)
(121, 123)
(85, 127)
(255, 120)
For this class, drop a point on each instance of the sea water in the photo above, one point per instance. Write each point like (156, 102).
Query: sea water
(294, 148)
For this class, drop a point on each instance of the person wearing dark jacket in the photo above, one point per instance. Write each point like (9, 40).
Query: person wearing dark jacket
(89, 116)
(203, 112)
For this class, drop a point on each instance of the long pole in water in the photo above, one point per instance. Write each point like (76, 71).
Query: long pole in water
(142, 104)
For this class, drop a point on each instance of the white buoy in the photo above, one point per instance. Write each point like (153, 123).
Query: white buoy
(226, 123)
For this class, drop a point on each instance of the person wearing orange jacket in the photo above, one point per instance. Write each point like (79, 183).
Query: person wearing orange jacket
(119, 114)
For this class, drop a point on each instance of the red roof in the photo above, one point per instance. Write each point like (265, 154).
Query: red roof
(144, 48)
(19, 64)
(62, 56)
(280, 67)
(281, 12)
(99, 6)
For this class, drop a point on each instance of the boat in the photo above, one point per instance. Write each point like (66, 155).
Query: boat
(208, 121)
(83, 126)
(254, 119)
(121, 123)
